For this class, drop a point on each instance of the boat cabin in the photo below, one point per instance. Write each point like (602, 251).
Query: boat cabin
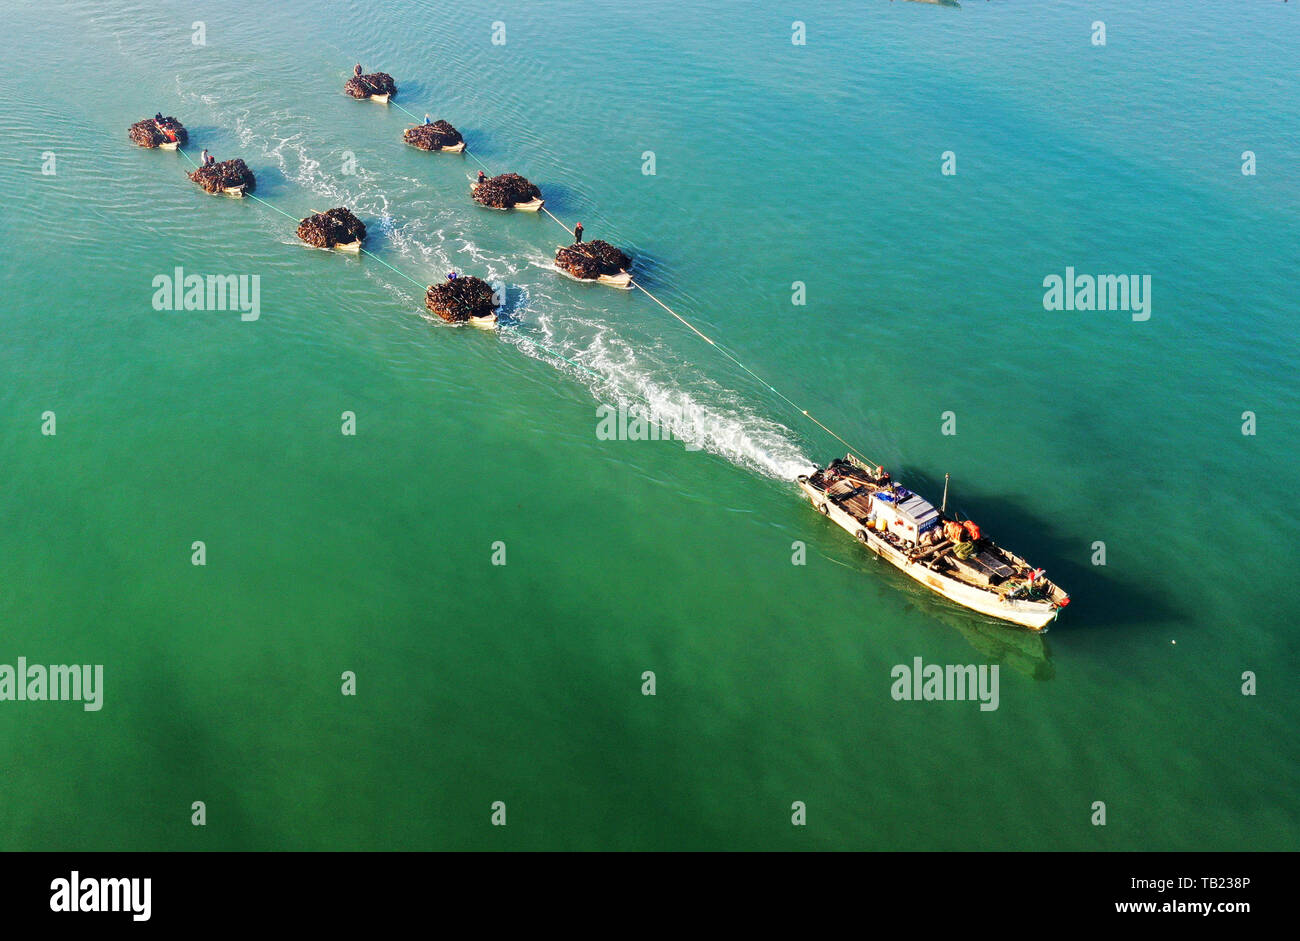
(903, 513)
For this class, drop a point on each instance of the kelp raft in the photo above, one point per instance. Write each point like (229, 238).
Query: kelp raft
(167, 133)
(507, 191)
(337, 228)
(592, 261)
(461, 300)
(378, 85)
(439, 135)
(230, 177)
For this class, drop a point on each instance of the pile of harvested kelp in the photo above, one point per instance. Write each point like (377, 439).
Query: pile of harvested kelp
(335, 227)
(506, 190)
(228, 173)
(589, 260)
(363, 86)
(458, 299)
(151, 133)
(433, 136)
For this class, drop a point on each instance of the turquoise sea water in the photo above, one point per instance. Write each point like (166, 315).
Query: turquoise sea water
(521, 683)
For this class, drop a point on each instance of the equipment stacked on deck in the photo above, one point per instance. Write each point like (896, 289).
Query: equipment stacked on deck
(328, 229)
(590, 260)
(506, 190)
(363, 86)
(459, 299)
(151, 133)
(433, 136)
(225, 175)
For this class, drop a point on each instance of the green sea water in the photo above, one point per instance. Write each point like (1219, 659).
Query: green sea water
(522, 683)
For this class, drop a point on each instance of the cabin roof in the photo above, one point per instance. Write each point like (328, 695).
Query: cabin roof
(917, 510)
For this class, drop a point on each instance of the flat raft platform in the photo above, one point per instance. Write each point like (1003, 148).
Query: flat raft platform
(905, 529)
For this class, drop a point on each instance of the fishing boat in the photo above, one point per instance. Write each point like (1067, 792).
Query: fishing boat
(949, 557)
(169, 145)
(487, 322)
(382, 99)
(532, 205)
(354, 246)
(235, 192)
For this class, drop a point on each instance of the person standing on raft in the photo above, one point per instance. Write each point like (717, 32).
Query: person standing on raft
(357, 70)
(482, 177)
(428, 120)
(577, 232)
(204, 158)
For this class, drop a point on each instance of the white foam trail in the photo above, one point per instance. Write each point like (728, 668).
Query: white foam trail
(624, 376)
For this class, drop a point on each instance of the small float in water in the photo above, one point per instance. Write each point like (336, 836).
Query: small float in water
(164, 133)
(950, 558)
(595, 261)
(437, 135)
(507, 191)
(336, 229)
(227, 178)
(377, 86)
(462, 299)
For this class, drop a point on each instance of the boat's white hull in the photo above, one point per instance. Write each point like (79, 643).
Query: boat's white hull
(349, 247)
(382, 99)
(454, 148)
(483, 323)
(169, 145)
(235, 192)
(1035, 615)
(622, 280)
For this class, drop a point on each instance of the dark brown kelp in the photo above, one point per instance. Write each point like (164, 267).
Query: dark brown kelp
(433, 136)
(506, 190)
(221, 175)
(334, 227)
(378, 83)
(590, 260)
(151, 133)
(458, 299)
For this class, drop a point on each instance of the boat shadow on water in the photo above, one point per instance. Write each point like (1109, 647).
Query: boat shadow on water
(1100, 598)
(412, 91)
(271, 183)
(566, 203)
(509, 314)
(1026, 651)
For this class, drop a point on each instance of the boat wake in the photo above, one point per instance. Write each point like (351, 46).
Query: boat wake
(706, 417)
(616, 371)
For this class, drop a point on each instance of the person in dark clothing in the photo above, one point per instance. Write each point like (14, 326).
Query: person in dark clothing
(482, 177)
(577, 232)
(357, 71)
(451, 276)
(158, 117)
